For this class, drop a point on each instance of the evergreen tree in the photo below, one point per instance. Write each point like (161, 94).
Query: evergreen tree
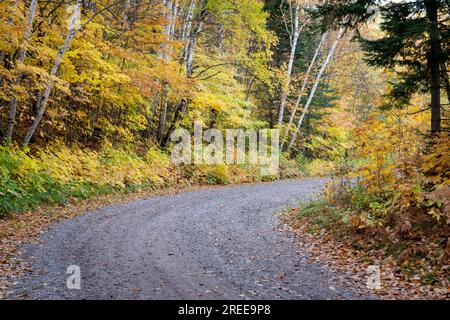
(315, 138)
(415, 44)
(307, 44)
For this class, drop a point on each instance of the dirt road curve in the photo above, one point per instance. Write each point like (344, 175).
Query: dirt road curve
(207, 244)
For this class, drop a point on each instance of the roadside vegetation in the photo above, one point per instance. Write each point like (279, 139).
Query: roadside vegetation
(390, 199)
(59, 173)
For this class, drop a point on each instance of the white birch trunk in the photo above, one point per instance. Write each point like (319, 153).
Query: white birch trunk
(294, 35)
(42, 101)
(191, 49)
(22, 54)
(188, 25)
(304, 84)
(174, 19)
(316, 84)
(167, 13)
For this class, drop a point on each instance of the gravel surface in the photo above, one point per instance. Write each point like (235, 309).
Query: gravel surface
(207, 244)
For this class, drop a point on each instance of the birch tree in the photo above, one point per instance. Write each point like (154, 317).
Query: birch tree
(304, 84)
(170, 13)
(167, 14)
(195, 28)
(44, 96)
(316, 84)
(292, 20)
(190, 33)
(22, 54)
(187, 25)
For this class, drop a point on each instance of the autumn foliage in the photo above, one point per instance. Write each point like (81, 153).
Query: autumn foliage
(91, 91)
(393, 202)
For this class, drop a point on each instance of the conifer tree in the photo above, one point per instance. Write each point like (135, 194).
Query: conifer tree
(415, 44)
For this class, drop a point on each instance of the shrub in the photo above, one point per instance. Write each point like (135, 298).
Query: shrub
(59, 172)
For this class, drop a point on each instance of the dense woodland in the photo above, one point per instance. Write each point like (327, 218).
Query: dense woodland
(112, 80)
(91, 90)
(133, 71)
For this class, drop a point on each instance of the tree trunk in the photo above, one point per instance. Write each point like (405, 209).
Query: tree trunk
(42, 101)
(163, 116)
(304, 84)
(186, 30)
(433, 61)
(316, 84)
(173, 21)
(170, 12)
(22, 54)
(166, 13)
(220, 37)
(295, 34)
(179, 109)
(191, 49)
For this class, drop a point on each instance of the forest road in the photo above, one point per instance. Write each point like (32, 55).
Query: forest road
(208, 244)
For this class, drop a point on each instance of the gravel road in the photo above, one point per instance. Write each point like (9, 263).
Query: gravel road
(208, 244)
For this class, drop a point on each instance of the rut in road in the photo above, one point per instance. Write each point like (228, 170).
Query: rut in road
(207, 244)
